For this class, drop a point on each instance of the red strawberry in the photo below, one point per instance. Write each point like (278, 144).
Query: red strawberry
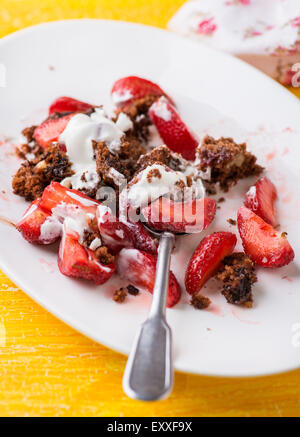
(116, 234)
(260, 199)
(166, 215)
(50, 130)
(172, 129)
(76, 261)
(207, 258)
(128, 89)
(139, 269)
(30, 226)
(266, 246)
(56, 194)
(68, 104)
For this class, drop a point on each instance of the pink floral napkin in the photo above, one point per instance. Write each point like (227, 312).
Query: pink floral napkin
(265, 33)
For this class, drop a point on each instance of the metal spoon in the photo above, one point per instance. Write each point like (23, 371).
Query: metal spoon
(149, 371)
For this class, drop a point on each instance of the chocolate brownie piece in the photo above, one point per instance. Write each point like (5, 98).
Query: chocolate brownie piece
(225, 162)
(130, 151)
(109, 166)
(28, 133)
(131, 148)
(104, 256)
(162, 155)
(200, 302)
(237, 273)
(120, 295)
(33, 176)
(131, 289)
(138, 106)
(90, 236)
(137, 111)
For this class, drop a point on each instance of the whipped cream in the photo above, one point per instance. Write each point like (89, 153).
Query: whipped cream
(95, 244)
(117, 177)
(160, 109)
(121, 96)
(123, 122)
(78, 135)
(70, 216)
(150, 187)
(102, 210)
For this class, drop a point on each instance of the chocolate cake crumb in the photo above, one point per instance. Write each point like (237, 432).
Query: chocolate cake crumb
(28, 133)
(138, 107)
(105, 160)
(131, 148)
(200, 302)
(30, 151)
(33, 176)
(161, 155)
(221, 200)
(131, 289)
(153, 173)
(228, 161)
(89, 237)
(231, 221)
(104, 256)
(237, 273)
(120, 295)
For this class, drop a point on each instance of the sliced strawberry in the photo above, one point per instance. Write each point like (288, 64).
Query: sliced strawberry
(166, 215)
(76, 261)
(117, 235)
(139, 269)
(31, 225)
(68, 104)
(50, 130)
(128, 89)
(172, 129)
(56, 194)
(207, 258)
(140, 238)
(261, 198)
(266, 246)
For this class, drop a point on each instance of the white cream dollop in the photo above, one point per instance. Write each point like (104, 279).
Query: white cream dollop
(123, 122)
(81, 130)
(161, 110)
(140, 193)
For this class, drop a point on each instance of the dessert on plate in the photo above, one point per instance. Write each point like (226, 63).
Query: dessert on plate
(93, 178)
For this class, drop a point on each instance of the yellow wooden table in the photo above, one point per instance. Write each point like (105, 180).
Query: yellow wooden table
(47, 368)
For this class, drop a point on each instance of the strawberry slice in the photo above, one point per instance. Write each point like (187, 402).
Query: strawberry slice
(139, 269)
(206, 259)
(76, 261)
(261, 198)
(68, 104)
(56, 194)
(50, 130)
(172, 129)
(116, 234)
(266, 246)
(31, 225)
(131, 88)
(166, 215)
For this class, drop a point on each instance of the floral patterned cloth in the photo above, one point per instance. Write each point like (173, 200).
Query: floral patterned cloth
(265, 33)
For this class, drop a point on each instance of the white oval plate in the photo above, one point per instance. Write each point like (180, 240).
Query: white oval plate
(82, 58)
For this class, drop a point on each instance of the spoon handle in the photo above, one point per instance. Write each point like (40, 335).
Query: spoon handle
(149, 371)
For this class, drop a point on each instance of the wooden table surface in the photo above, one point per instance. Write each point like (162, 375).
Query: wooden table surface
(47, 368)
